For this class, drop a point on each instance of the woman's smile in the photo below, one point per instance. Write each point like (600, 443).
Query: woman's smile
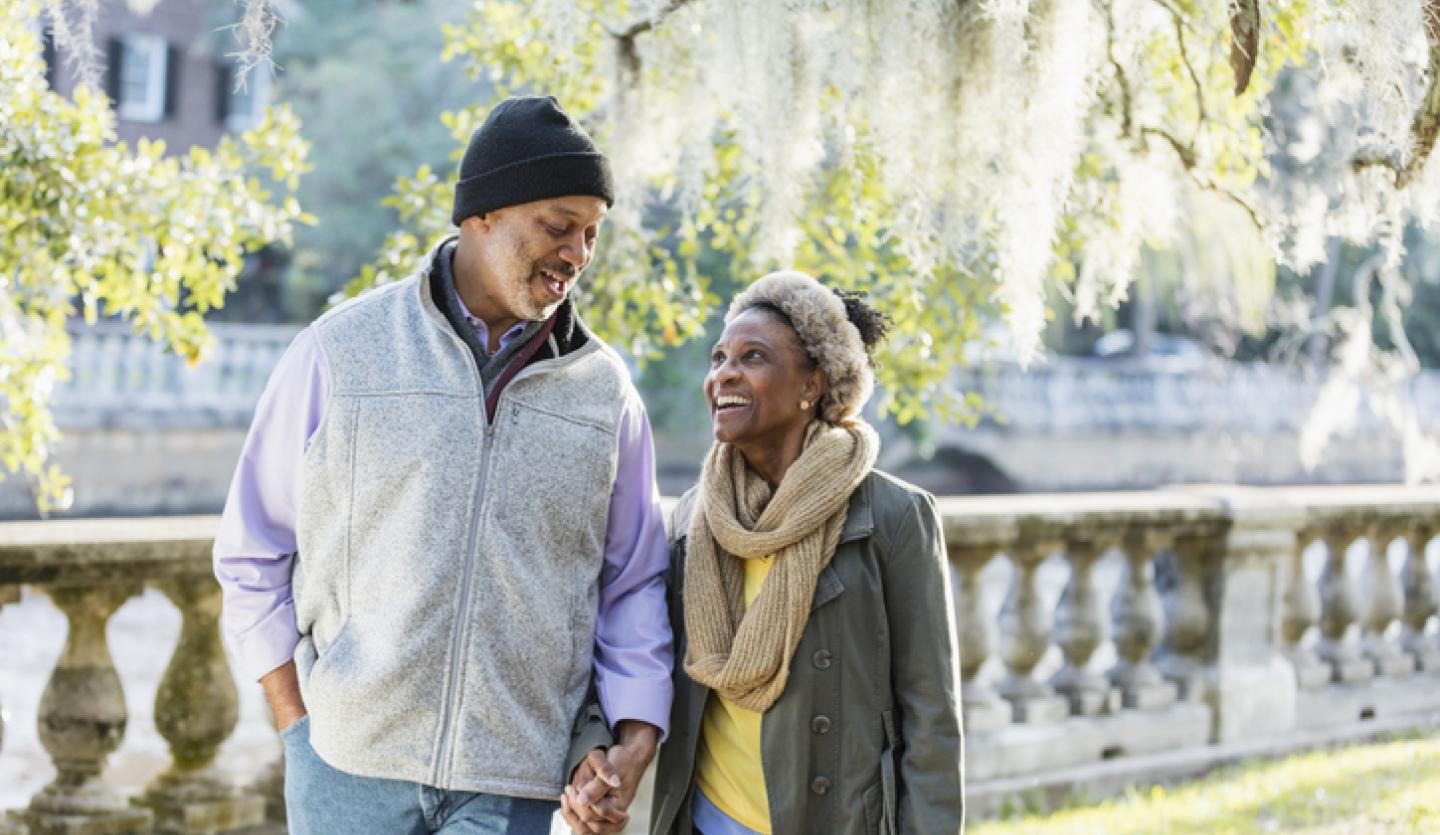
(727, 406)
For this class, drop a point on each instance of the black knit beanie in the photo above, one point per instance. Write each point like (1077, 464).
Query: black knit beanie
(528, 149)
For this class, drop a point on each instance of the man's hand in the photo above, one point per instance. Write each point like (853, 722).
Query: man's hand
(598, 799)
(282, 691)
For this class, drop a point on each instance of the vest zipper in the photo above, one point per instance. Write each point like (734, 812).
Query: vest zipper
(460, 634)
(445, 753)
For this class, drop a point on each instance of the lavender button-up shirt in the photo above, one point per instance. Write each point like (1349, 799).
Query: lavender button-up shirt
(256, 548)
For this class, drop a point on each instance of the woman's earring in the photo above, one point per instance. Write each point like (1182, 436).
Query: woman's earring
(804, 404)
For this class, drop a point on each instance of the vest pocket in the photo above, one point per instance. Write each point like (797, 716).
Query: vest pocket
(551, 481)
(323, 659)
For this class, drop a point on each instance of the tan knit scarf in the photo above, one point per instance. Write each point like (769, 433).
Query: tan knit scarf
(744, 654)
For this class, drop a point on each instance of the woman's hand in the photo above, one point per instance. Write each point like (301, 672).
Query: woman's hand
(603, 787)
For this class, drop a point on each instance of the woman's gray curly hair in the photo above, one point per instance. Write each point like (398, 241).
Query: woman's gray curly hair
(829, 337)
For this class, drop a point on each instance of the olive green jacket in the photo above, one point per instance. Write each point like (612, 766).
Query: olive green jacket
(866, 737)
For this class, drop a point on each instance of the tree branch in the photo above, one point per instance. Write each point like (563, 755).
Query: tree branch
(1379, 155)
(1235, 197)
(1184, 150)
(1244, 41)
(1126, 118)
(1180, 26)
(1175, 12)
(644, 25)
(1188, 160)
(1426, 126)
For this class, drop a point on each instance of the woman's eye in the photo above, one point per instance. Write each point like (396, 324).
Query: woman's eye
(717, 358)
(753, 354)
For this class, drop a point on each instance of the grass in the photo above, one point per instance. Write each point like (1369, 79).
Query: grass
(1387, 788)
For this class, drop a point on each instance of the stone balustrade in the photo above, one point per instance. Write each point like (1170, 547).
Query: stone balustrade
(1152, 635)
(1120, 637)
(119, 378)
(89, 568)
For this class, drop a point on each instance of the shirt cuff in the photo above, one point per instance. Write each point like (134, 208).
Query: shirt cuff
(647, 700)
(268, 644)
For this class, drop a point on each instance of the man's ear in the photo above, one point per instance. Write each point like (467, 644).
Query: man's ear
(481, 223)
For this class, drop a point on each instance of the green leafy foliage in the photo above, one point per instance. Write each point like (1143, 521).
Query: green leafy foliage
(366, 79)
(91, 227)
(965, 164)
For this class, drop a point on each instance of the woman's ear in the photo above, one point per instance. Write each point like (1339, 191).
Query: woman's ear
(815, 386)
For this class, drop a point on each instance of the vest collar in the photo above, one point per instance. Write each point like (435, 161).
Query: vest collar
(570, 333)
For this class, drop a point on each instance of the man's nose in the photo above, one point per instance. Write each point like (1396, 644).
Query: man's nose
(575, 251)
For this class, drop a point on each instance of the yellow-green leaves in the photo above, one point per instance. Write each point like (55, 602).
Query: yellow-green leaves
(963, 163)
(93, 228)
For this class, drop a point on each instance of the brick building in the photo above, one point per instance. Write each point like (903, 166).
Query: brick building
(165, 68)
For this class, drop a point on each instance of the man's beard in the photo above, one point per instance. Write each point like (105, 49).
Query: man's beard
(523, 299)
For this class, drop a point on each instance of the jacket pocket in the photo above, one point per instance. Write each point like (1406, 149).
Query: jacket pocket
(889, 779)
(873, 800)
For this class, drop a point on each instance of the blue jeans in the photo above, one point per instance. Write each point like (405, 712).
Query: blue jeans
(321, 800)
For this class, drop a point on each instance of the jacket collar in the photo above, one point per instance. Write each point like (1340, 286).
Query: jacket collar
(859, 518)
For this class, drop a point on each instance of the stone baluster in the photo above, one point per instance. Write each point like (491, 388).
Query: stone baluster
(1138, 617)
(1385, 599)
(1300, 610)
(1024, 639)
(1339, 609)
(983, 709)
(196, 708)
(82, 721)
(1080, 629)
(1187, 614)
(1421, 600)
(9, 825)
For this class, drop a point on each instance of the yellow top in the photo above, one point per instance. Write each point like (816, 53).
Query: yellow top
(728, 766)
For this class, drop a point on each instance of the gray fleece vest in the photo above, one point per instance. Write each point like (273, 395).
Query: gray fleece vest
(447, 580)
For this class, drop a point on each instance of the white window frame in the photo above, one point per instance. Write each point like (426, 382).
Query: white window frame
(151, 108)
(257, 88)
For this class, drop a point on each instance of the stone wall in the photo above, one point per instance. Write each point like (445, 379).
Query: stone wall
(1106, 639)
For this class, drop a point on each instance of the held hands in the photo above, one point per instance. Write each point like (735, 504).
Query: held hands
(603, 786)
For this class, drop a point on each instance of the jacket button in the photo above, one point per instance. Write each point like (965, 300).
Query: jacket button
(821, 659)
(820, 724)
(820, 785)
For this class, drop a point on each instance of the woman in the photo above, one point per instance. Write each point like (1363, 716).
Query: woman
(815, 684)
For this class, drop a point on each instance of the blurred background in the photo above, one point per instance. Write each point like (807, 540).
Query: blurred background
(1208, 358)
(1198, 374)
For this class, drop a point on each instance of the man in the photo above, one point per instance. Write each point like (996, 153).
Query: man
(445, 515)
